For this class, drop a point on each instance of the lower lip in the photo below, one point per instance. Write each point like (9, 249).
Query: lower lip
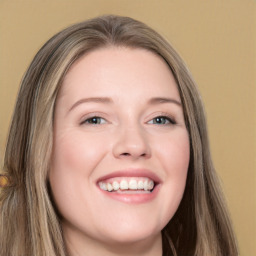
(133, 198)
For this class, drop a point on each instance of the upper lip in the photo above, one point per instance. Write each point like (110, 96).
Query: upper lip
(135, 172)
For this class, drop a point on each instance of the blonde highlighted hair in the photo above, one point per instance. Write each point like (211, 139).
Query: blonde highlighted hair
(29, 223)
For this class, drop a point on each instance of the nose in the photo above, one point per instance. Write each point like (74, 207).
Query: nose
(131, 143)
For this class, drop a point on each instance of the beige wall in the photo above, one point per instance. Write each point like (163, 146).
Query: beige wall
(217, 39)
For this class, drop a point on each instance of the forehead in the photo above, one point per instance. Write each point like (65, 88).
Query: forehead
(118, 71)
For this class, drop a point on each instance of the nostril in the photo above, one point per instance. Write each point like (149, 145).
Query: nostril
(128, 154)
(125, 154)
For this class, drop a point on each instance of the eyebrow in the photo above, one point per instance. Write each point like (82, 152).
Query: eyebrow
(162, 100)
(104, 100)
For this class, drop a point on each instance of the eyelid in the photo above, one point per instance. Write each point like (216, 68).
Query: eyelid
(168, 116)
(92, 115)
(86, 121)
(171, 118)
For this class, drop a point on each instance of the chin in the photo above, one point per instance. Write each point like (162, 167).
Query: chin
(131, 235)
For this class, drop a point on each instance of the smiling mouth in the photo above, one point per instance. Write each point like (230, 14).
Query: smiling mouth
(128, 185)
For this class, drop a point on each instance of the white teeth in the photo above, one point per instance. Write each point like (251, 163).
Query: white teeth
(115, 185)
(124, 185)
(145, 185)
(128, 184)
(103, 186)
(150, 184)
(133, 184)
(109, 186)
(140, 184)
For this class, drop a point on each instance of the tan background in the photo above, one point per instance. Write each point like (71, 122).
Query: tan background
(217, 39)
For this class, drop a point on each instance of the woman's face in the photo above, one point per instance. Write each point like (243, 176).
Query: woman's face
(121, 148)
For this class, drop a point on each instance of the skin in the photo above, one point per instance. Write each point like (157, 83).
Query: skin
(126, 136)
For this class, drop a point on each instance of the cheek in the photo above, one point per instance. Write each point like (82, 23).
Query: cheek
(77, 153)
(173, 156)
(73, 162)
(174, 153)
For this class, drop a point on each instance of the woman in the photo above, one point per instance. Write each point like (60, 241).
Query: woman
(108, 151)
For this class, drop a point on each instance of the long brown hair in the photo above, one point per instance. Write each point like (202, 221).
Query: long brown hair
(28, 221)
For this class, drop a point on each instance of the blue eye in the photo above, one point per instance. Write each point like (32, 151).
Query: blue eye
(162, 120)
(94, 120)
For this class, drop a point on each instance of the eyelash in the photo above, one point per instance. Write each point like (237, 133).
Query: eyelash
(171, 120)
(87, 120)
(166, 117)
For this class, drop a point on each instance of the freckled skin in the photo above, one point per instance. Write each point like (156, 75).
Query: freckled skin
(125, 137)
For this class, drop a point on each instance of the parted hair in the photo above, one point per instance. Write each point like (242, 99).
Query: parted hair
(29, 223)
